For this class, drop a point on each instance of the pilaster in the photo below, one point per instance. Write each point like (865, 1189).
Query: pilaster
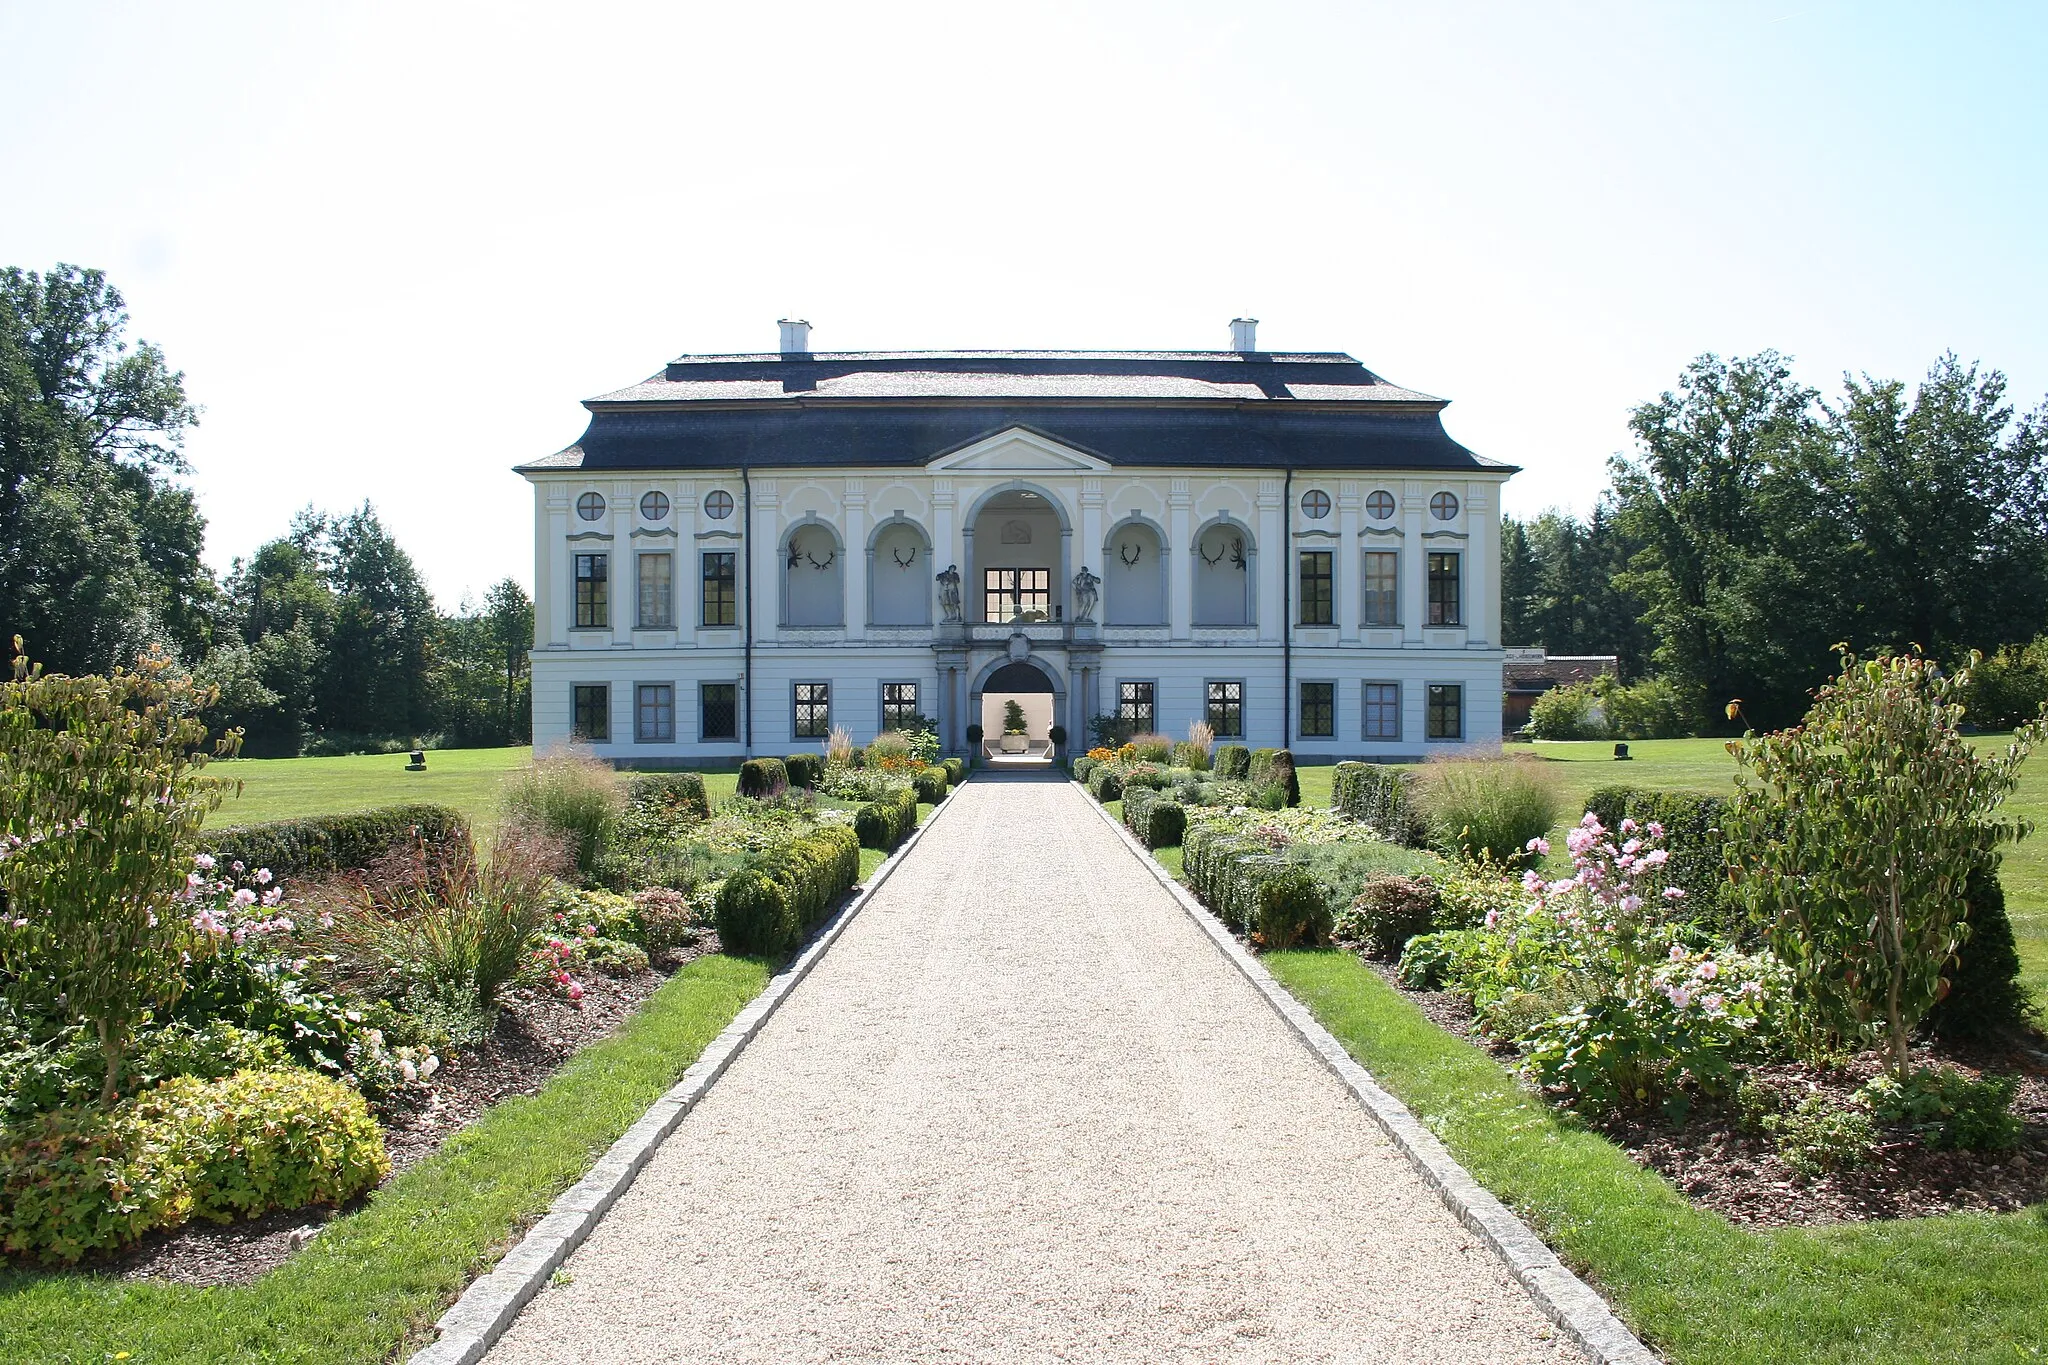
(1180, 574)
(854, 610)
(1270, 610)
(1346, 564)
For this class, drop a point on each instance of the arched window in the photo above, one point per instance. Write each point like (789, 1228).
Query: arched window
(590, 506)
(654, 505)
(813, 570)
(1315, 504)
(1379, 504)
(1443, 506)
(718, 504)
(1223, 575)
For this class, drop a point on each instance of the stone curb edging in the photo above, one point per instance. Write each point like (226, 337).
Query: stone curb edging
(487, 1308)
(1564, 1297)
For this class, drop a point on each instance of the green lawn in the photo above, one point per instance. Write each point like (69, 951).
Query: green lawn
(1704, 765)
(1965, 1287)
(374, 1280)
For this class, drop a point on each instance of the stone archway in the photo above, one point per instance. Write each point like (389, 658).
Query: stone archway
(1029, 682)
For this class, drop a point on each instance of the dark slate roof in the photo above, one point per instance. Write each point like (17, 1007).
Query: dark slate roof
(1205, 409)
(1557, 671)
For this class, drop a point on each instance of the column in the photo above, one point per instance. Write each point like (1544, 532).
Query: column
(858, 557)
(1482, 552)
(1348, 564)
(1273, 565)
(553, 569)
(1414, 563)
(763, 561)
(1180, 576)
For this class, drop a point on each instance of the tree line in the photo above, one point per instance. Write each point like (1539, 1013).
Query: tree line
(325, 639)
(1757, 524)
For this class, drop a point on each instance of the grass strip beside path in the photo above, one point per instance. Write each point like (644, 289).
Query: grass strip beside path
(375, 1279)
(1963, 1287)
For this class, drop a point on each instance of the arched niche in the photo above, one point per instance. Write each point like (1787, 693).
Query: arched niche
(899, 575)
(1134, 574)
(1224, 554)
(1031, 683)
(1017, 528)
(813, 576)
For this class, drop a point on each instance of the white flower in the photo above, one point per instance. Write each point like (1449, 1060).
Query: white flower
(408, 1070)
(429, 1066)
(204, 862)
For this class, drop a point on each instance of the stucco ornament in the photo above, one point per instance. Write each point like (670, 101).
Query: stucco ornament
(949, 594)
(1087, 591)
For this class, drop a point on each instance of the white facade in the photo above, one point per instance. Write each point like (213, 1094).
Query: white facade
(1211, 592)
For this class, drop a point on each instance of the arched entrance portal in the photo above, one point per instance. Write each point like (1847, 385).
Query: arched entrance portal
(1038, 695)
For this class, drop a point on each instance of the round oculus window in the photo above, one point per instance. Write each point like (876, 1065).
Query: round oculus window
(654, 506)
(1443, 506)
(718, 504)
(590, 506)
(1315, 504)
(1379, 504)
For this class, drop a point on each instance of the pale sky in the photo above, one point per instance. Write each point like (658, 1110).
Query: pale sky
(392, 248)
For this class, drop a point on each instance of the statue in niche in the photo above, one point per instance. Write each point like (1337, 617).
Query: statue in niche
(1087, 592)
(949, 594)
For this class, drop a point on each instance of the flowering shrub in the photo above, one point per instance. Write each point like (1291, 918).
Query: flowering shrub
(1103, 755)
(664, 920)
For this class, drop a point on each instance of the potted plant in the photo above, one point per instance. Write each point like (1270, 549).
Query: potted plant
(1058, 736)
(974, 733)
(1014, 741)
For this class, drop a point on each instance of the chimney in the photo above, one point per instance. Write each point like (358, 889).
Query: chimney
(796, 336)
(1244, 334)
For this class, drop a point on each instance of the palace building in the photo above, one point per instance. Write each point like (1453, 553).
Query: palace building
(744, 551)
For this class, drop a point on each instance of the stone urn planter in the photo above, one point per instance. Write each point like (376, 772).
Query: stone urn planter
(1015, 744)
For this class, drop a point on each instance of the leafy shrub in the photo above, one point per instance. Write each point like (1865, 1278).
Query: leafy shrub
(1258, 765)
(2009, 688)
(263, 1140)
(78, 1180)
(1083, 766)
(580, 913)
(1487, 806)
(1153, 748)
(1233, 763)
(1624, 1051)
(1157, 821)
(1985, 998)
(613, 957)
(70, 1069)
(1280, 773)
(1271, 796)
(804, 770)
(682, 793)
(322, 845)
(1146, 775)
(875, 826)
(1569, 712)
(1428, 961)
(1944, 1108)
(1387, 913)
(572, 794)
(1190, 755)
(956, 770)
(1858, 837)
(753, 916)
(101, 802)
(929, 784)
(1105, 784)
(1291, 911)
(763, 779)
(663, 920)
(1602, 708)
(766, 907)
(1816, 1135)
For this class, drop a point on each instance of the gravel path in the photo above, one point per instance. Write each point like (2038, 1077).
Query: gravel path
(1023, 1111)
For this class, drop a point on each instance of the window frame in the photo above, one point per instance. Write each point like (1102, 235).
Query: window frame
(658, 498)
(642, 732)
(720, 499)
(1435, 603)
(577, 734)
(1151, 704)
(1210, 703)
(1316, 504)
(1326, 599)
(1444, 505)
(916, 700)
(1366, 705)
(1431, 710)
(798, 702)
(1301, 730)
(1016, 593)
(584, 505)
(1391, 619)
(729, 599)
(593, 596)
(704, 734)
(1375, 498)
(667, 620)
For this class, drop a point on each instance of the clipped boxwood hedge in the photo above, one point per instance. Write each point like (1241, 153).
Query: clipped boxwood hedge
(322, 845)
(956, 770)
(763, 778)
(1105, 785)
(1157, 820)
(1377, 795)
(804, 770)
(886, 823)
(929, 784)
(682, 790)
(1233, 763)
(767, 906)
(1083, 766)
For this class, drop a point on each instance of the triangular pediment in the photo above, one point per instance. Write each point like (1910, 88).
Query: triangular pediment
(1018, 450)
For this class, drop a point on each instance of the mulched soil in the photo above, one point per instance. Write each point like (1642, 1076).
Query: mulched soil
(535, 1035)
(1719, 1165)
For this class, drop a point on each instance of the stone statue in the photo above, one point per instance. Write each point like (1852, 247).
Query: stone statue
(949, 594)
(1087, 591)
